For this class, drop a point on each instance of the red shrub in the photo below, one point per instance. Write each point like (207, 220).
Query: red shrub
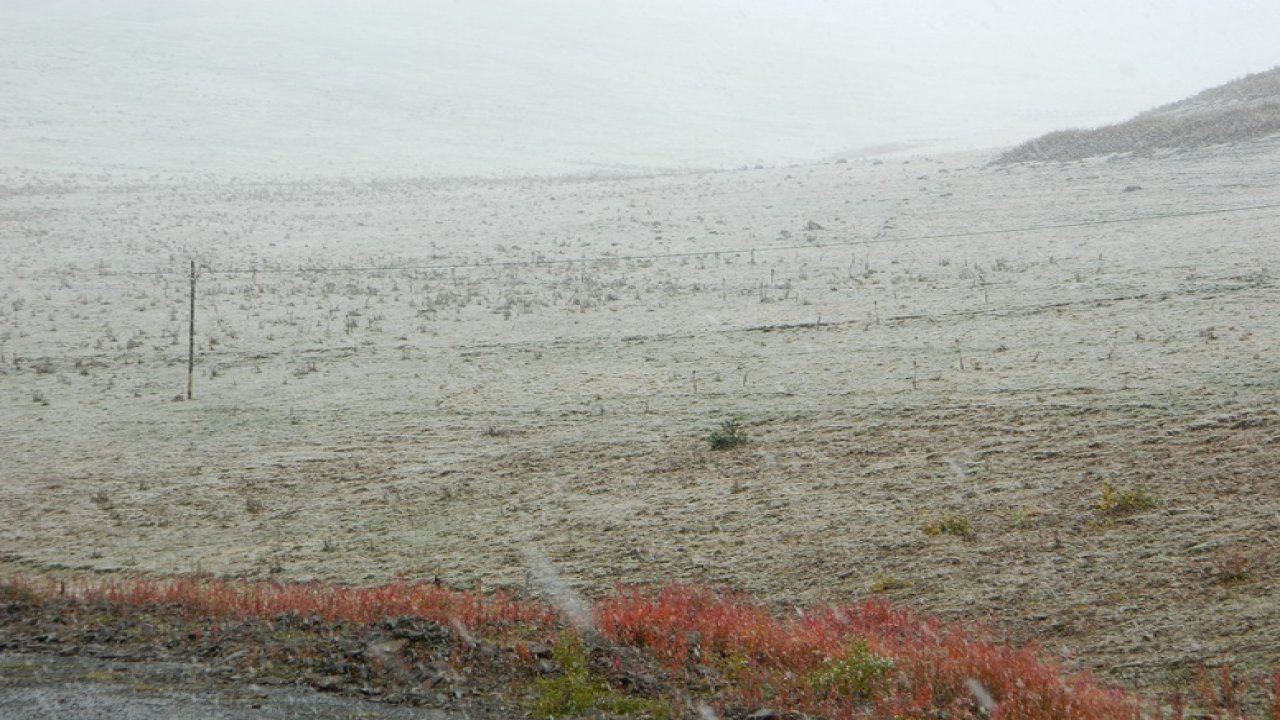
(866, 659)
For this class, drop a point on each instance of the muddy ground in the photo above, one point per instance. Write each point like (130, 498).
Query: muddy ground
(60, 658)
(39, 686)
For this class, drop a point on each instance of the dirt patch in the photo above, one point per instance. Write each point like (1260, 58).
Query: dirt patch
(36, 686)
(146, 661)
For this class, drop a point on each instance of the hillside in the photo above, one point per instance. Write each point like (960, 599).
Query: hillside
(1238, 111)
(1017, 394)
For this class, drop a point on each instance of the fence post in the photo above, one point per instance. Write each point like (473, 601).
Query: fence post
(191, 333)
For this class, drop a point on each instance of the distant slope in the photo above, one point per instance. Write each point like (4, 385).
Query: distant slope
(1240, 110)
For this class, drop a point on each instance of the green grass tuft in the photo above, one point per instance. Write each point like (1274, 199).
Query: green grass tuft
(1122, 501)
(578, 692)
(860, 674)
(730, 434)
(949, 524)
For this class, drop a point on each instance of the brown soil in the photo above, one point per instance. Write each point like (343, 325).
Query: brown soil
(158, 652)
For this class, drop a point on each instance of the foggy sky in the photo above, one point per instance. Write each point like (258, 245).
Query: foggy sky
(519, 86)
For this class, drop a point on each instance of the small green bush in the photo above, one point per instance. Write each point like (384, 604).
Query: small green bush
(861, 673)
(730, 434)
(949, 524)
(887, 583)
(1122, 501)
(579, 693)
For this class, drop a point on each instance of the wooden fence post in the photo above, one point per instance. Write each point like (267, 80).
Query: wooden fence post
(191, 333)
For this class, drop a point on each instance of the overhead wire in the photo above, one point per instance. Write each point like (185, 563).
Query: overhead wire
(597, 259)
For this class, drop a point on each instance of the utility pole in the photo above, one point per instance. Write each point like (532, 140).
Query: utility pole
(191, 333)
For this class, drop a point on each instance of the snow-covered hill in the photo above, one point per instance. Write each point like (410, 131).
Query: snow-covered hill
(1238, 111)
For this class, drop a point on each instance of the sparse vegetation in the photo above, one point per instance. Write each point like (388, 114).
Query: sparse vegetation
(1115, 500)
(949, 524)
(493, 431)
(307, 367)
(730, 434)
(1234, 564)
(1241, 110)
(1027, 516)
(700, 647)
(859, 673)
(579, 692)
(384, 454)
(887, 583)
(103, 500)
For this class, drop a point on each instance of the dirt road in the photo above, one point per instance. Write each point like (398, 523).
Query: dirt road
(45, 687)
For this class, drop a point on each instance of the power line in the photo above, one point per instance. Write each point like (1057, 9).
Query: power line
(717, 252)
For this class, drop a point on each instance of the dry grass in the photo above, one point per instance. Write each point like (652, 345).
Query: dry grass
(998, 376)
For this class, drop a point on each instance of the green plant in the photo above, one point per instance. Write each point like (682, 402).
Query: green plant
(735, 666)
(578, 692)
(730, 434)
(886, 583)
(949, 524)
(1124, 500)
(861, 673)
(1026, 516)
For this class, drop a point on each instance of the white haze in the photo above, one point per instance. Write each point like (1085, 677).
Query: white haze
(297, 87)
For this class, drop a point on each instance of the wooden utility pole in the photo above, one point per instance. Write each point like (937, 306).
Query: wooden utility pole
(191, 333)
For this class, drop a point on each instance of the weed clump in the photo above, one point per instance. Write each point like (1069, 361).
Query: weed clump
(860, 674)
(1124, 500)
(578, 692)
(1232, 565)
(949, 524)
(887, 583)
(730, 434)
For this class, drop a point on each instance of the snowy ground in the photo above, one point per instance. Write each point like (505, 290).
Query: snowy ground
(518, 370)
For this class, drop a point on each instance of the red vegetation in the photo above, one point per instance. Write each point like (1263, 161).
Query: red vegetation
(932, 665)
(866, 659)
(241, 600)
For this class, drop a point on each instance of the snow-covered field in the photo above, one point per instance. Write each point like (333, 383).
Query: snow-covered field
(429, 378)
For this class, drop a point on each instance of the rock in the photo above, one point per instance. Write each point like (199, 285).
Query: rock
(539, 650)
(1204, 547)
(811, 226)
(420, 629)
(386, 649)
(330, 682)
